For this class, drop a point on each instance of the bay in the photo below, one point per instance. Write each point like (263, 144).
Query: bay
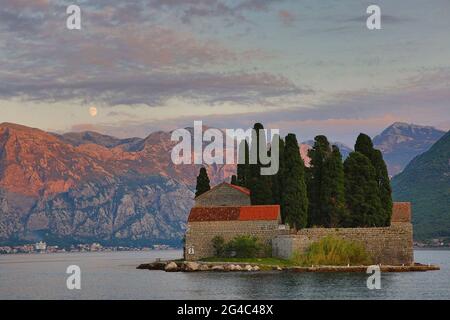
(113, 275)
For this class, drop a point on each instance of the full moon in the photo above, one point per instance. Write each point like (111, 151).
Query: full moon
(93, 111)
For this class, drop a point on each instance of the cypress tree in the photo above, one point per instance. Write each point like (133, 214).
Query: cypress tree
(234, 180)
(260, 185)
(318, 155)
(243, 169)
(202, 182)
(277, 179)
(294, 196)
(333, 190)
(384, 184)
(361, 192)
(365, 146)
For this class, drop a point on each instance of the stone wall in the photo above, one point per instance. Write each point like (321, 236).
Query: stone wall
(223, 195)
(200, 234)
(391, 245)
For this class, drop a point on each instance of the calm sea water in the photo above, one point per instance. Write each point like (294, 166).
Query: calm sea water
(114, 276)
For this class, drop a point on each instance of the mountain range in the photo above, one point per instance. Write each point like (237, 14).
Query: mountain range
(85, 186)
(426, 183)
(401, 142)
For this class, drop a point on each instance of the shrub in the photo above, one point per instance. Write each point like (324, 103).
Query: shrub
(244, 247)
(219, 246)
(333, 251)
(240, 247)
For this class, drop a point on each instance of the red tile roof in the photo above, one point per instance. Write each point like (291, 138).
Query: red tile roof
(260, 212)
(401, 212)
(241, 189)
(245, 213)
(214, 214)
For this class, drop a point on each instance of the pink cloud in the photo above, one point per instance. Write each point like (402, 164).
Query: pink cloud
(158, 47)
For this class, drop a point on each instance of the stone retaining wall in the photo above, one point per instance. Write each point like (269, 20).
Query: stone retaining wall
(200, 234)
(388, 245)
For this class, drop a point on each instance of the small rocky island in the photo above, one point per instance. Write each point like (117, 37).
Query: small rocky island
(239, 237)
(329, 216)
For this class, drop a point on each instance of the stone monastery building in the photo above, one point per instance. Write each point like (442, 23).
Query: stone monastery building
(226, 211)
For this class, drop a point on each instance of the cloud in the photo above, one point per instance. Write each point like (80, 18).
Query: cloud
(421, 100)
(385, 18)
(189, 10)
(118, 60)
(287, 18)
(151, 89)
(22, 4)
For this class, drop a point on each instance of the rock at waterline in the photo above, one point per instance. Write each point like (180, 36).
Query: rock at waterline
(191, 266)
(218, 268)
(171, 267)
(203, 267)
(248, 268)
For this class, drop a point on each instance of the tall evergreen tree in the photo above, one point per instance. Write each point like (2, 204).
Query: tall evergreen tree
(318, 154)
(365, 146)
(332, 193)
(384, 184)
(294, 197)
(361, 192)
(202, 182)
(277, 179)
(233, 180)
(260, 185)
(243, 169)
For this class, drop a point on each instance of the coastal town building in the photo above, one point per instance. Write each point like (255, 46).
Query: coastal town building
(225, 211)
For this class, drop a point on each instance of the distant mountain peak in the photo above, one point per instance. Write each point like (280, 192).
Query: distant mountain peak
(409, 126)
(401, 142)
(425, 182)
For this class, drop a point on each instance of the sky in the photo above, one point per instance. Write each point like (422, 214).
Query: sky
(303, 66)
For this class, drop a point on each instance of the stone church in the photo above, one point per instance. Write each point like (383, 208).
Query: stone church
(226, 211)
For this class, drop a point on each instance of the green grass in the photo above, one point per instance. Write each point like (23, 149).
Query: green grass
(332, 251)
(329, 251)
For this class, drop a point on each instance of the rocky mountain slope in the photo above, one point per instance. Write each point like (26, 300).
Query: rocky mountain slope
(88, 186)
(426, 183)
(401, 142)
(92, 187)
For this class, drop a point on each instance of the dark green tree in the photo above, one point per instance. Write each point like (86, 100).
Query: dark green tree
(243, 169)
(332, 193)
(361, 192)
(318, 154)
(234, 180)
(365, 146)
(260, 185)
(202, 182)
(277, 179)
(384, 184)
(294, 196)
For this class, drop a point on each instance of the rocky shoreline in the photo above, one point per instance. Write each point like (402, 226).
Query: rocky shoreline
(191, 266)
